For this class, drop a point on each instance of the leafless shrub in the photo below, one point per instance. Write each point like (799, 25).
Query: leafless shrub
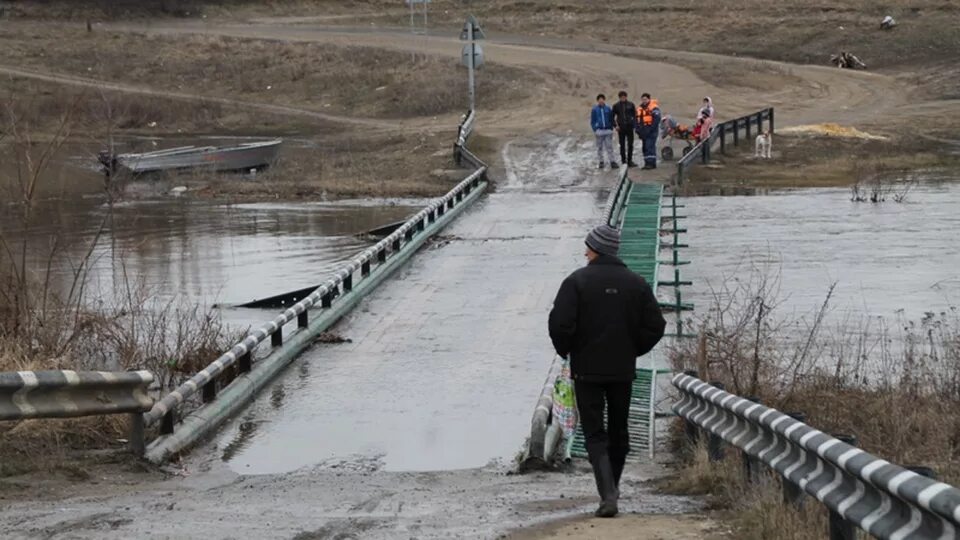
(895, 384)
(47, 322)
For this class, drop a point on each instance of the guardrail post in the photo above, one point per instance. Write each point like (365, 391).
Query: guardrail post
(209, 391)
(348, 283)
(365, 268)
(723, 138)
(770, 119)
(382, 255)
(922, 471)
(396, 243)
(751, 466)
(136, 440)
(276, 338)
(747, 122)
(792, 494)
(759, 123)
(245, 363)
(406, 236)
(702, 365)
(167, 422)
(432, 216)
(690, 430)
(303, 320)
(705, 151)
(714, 442)
(841, 529)
(326, 300)
(736, 132)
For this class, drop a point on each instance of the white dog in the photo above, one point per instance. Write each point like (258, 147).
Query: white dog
(764, 145)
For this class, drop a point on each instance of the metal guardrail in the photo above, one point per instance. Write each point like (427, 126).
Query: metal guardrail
(326, 297)
(463, 133)
(66, 394)
(613, 212)
(858, 488)
(701, 152)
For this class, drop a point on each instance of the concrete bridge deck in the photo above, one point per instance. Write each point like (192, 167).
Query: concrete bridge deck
(445, 358)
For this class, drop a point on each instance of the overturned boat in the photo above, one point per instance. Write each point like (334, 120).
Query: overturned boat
(252, 155)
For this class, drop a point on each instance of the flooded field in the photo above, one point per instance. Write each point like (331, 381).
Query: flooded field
(888, 260)
(202, 253)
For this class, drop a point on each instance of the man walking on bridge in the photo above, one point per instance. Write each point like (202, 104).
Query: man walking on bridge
(604, 317)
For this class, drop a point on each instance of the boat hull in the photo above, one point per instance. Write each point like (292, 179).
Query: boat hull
(243, 157)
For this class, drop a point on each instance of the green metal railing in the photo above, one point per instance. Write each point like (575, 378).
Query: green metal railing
(638, 215)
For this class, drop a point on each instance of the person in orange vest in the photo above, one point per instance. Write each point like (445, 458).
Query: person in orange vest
(648, 128)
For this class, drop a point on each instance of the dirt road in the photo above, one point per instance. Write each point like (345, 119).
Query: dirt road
(344, 499)
(825, 94)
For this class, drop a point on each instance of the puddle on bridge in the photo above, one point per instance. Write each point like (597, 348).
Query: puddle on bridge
(889, 260)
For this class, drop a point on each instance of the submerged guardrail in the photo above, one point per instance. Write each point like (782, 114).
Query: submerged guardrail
(859, 489)
(701, 152)
(236, 371)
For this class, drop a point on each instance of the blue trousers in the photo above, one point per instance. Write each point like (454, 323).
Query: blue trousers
(650, 150)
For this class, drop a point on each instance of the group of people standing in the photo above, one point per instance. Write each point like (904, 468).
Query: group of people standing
(625, 119)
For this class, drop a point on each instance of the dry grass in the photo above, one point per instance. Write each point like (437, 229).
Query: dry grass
(49, 321)
(813, 161)
(347, 80)
(894, 385)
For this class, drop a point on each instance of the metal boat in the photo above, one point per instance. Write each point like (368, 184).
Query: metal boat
(252, 155)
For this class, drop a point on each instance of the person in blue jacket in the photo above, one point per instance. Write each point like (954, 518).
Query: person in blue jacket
(601, 122)
(648, 128)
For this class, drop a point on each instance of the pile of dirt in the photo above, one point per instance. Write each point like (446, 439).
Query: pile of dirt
(832, 130)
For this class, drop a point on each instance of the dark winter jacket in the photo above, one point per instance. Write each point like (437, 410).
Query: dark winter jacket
(604, 317)
(624, 114)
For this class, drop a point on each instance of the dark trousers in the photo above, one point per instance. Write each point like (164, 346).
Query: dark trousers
(592, 399)
(650, 149)
(626, 145)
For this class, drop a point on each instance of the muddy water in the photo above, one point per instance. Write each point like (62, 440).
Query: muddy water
(200, 252)
(888, 260)
(448, 357)
(180, 248)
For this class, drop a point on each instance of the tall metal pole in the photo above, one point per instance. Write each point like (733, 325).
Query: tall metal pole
(470, 63)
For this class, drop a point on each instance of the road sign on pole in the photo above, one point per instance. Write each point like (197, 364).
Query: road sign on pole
(412, 4)
(472, 54)
(477, 55)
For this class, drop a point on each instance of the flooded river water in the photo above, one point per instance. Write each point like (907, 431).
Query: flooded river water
(887, 260)
(204, 252)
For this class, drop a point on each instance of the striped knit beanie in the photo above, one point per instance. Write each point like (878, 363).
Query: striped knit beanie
(605, 240)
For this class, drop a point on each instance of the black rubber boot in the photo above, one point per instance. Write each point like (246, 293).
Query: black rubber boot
(613, 165)
(617, 462)
(606, 486)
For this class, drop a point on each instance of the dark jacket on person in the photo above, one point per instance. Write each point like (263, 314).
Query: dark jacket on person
(624, 114)
(604, 317)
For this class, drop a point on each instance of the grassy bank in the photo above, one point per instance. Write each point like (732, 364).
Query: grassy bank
(353, 81)
(809, 160)
(893, 384)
